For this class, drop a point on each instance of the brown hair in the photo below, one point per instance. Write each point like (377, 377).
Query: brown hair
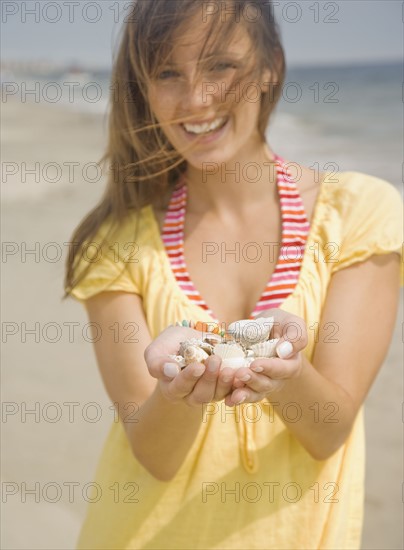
(142, 164)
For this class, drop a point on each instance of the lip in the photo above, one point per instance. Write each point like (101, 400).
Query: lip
(213, 136)
(206, 121)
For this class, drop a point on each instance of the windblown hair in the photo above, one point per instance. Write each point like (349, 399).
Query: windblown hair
(141, 163)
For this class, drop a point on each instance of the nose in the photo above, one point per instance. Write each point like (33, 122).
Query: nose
(198, 94)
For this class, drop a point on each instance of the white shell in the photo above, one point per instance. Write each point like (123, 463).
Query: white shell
(229, 351)
(251, 331)
(208, 348)
(265, 349)
(190, 342)
(235, 362)
(212, 339)
(194, 353)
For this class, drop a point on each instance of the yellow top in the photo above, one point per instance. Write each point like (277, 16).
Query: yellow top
(246, 482)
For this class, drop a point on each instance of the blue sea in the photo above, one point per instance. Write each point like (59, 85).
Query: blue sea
(350, 116)
(339, 117)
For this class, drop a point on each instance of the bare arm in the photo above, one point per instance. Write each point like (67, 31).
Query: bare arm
(361, 303)
(169, 411)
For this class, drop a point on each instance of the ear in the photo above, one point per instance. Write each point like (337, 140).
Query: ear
(268, 78)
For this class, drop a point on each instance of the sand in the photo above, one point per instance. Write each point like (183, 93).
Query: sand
(54, 372)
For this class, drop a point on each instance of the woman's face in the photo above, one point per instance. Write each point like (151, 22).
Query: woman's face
(176, 93)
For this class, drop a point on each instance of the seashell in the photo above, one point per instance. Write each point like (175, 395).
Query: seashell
(228, 338)
(235, 362)
(208, 348)
(178, 359)
(189, 342)
(251, 331)
(265, 349)
(194, 353)
(229, 351)
(212, 339)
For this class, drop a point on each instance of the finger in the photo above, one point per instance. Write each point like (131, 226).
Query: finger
(168, 342)
(244, 395)
(276, 368)
(293, 337)
(184, 383)
(259, 383)
(163, 367)
(224, 383)
(287, 328)
(237, 383)
(204, 390)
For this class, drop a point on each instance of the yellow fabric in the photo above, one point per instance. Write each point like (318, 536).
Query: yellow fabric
(246, 481)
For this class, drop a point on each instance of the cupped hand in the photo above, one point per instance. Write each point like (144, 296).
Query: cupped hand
(195, 384)
(267, 375)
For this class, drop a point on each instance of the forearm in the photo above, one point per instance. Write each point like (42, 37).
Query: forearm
(317, 411)
(163, 435)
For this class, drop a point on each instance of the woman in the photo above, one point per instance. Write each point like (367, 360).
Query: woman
(270, 456)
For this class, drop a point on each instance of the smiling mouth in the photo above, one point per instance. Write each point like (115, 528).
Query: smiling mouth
(200, 132)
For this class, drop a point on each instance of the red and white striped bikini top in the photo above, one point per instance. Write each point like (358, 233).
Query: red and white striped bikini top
(295, 229)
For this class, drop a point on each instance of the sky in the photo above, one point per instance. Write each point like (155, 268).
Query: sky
(313, 33)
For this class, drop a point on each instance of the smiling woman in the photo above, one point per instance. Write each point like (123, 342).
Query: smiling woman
(210, 99)
(270, 454)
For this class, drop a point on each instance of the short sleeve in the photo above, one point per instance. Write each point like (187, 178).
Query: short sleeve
(371, 221)
(113, 265)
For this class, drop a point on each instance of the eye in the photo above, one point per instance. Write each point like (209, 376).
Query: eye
(223, 66)
(164, 75)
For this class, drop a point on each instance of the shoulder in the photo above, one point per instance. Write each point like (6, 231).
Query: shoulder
(355, 208)
(115, 257)
(363, 214)
(136, 225)
(339, 183)
(361, 194)
(120, 243)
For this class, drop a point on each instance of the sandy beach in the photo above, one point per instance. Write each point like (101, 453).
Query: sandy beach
(56, 413)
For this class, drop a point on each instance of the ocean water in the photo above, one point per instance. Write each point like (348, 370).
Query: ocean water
(340, 118)
(347, 116)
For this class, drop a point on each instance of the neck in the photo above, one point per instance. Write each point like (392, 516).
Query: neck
(233, 187)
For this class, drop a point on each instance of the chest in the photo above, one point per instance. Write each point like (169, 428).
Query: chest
(230, 264)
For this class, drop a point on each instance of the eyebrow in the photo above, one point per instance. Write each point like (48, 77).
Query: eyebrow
(229, 55)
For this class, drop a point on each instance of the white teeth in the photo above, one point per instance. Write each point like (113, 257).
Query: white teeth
(203, 128)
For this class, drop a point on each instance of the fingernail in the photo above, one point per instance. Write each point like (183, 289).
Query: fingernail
(171, 370)
(284, 350)
(246, 378)
(198, 371)
(227, 379)
(213, 364)
(257, 369)
(241, 400)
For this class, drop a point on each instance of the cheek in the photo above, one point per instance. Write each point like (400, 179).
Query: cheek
(164, 110)
(246, 116)
(252, 106)
(161, 104)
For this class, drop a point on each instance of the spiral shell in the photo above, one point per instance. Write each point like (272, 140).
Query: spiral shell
(251, 331)
(208, 348)
(194, 353)
(265, 349)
